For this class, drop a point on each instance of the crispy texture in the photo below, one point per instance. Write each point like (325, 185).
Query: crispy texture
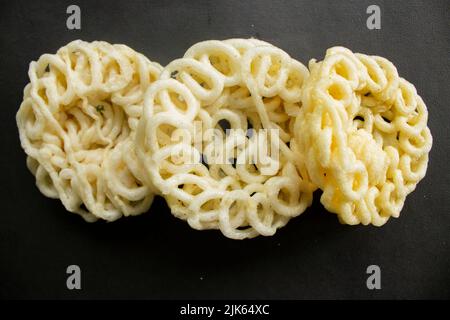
(246, 82)
(76, 124)
(363, 130)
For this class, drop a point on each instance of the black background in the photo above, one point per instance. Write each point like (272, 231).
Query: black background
(158, 256)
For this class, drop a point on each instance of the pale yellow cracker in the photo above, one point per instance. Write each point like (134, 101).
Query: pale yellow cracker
(248, 83)
(76, 124)
(363, 130)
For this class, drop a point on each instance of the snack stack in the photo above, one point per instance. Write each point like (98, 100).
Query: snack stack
(236, 135)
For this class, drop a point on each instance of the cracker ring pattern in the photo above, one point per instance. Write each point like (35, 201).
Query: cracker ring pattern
(363, 130)
(76, 125)
(250, 85)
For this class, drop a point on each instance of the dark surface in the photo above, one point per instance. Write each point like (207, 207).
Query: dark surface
(158, 256)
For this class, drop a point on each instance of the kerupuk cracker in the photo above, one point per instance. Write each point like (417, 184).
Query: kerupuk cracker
(214, 138)
(77, 122)
(363, 132)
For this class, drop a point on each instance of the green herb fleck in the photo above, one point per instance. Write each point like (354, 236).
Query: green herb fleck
(100, 109)
(174, 74)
